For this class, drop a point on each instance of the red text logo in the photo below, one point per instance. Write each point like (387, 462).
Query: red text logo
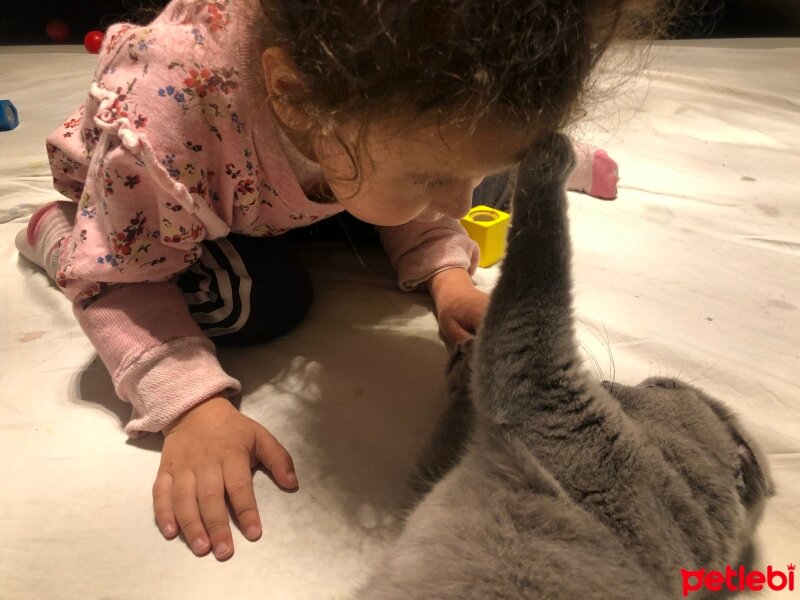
(737, 580)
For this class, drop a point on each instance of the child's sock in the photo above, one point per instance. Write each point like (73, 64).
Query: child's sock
(595, 174)
(41, 240)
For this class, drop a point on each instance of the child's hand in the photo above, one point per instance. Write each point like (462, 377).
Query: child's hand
(460, 306)
(209, 452)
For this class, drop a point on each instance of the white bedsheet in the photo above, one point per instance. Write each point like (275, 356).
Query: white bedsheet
(694, 271)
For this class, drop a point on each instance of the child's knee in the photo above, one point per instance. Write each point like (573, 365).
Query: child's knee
(279, 297)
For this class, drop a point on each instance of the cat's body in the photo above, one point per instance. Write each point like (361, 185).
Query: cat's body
(554, 485)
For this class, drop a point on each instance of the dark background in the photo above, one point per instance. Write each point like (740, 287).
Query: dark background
(25, 22)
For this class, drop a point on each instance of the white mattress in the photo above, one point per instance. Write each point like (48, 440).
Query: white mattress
(694, 271)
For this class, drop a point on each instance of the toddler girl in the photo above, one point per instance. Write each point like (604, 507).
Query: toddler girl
(225, 123)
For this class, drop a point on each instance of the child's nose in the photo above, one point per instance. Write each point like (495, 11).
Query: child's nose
(460, 203)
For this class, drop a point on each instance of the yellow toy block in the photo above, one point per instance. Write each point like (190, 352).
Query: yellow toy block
(488, 227)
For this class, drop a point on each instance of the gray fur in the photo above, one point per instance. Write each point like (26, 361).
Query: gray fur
(566, 487)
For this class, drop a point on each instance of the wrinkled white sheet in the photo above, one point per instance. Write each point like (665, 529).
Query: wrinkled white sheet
(694, 271)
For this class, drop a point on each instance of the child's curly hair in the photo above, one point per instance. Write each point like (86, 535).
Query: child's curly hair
(525, 62)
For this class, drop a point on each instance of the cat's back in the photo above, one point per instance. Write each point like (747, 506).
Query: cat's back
(492, 530)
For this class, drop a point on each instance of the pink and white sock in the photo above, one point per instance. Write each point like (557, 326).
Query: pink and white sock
(40, 242)
(595, 173)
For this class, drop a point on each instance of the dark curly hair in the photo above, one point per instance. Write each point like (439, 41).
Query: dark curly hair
(526, 62)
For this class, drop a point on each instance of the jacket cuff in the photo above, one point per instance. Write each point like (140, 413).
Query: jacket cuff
(169, 379)
(159, 359)
(419, 251)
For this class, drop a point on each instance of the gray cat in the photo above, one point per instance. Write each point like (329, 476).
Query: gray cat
(554, 485)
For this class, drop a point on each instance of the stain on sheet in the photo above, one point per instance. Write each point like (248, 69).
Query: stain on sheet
(30, 336)
(781, 304)
(770, 211)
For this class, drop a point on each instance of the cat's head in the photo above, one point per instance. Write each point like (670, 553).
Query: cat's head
(708, 446)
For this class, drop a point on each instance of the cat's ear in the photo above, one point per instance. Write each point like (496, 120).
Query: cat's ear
(752, 482)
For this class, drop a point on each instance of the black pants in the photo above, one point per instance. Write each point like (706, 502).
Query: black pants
(247, 290)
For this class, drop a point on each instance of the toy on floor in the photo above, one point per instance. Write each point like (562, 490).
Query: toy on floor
(9, 118)
(487, 227)
(93, 40)
(57, 31)
(595, 174)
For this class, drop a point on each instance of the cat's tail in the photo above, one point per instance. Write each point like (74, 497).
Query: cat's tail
(527, 336)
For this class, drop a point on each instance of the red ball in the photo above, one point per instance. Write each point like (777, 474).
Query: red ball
(57, 30)
(93, 41)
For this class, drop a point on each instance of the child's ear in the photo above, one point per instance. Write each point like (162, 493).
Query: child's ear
(284, 87)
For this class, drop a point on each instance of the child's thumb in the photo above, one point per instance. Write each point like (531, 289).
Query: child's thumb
(274, 457)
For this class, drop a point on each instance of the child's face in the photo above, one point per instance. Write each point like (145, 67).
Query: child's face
(418, 173)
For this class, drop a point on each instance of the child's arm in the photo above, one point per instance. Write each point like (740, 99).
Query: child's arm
(443, 257)
(165, 367)
(460, 306)
(418, 250)
(162, 363)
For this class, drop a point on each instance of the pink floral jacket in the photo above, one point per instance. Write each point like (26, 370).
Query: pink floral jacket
(171, 148)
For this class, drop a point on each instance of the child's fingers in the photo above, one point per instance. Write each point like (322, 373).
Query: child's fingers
(274, 456)
(239, 485)
(162, 505)
(454, 331)
(184, 498)
(211, 501)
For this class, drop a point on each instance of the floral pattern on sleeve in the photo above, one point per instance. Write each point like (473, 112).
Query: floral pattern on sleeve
(127, 228)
